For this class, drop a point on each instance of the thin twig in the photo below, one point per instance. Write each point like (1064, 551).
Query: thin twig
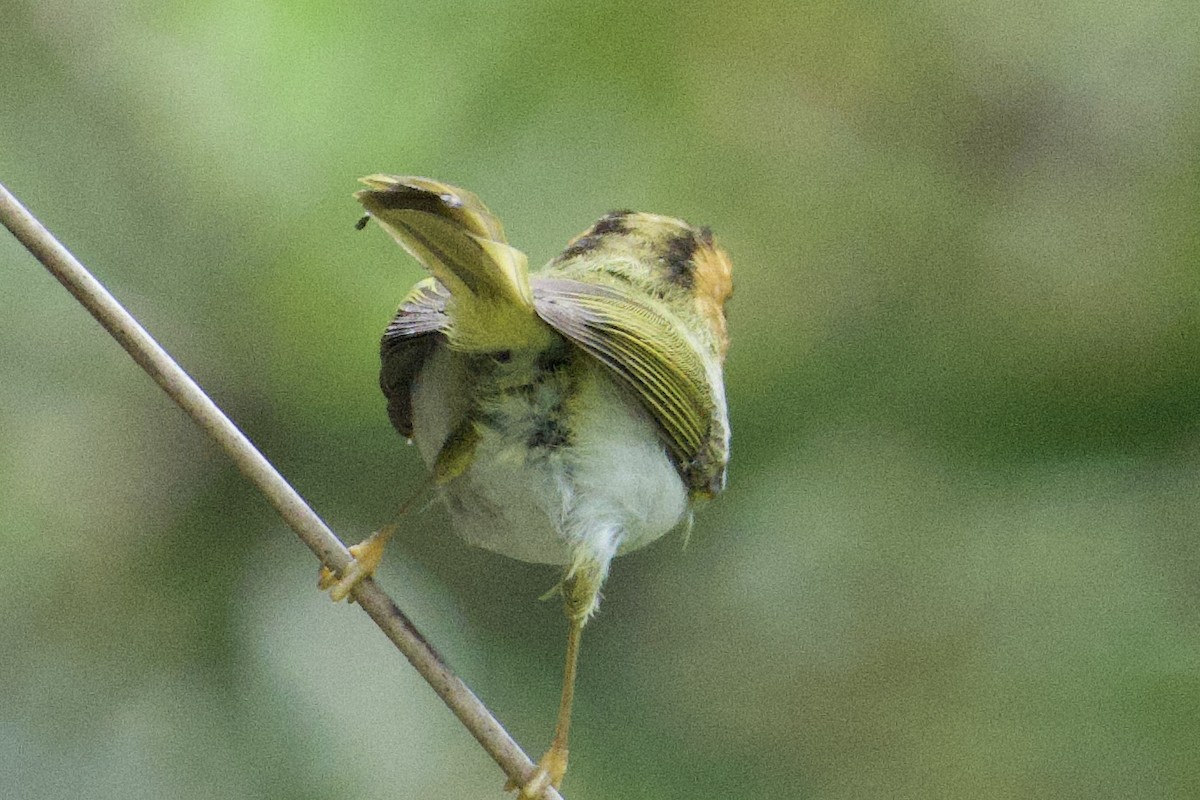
(291, 506)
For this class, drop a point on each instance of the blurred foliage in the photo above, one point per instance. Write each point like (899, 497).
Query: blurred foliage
(958, 554)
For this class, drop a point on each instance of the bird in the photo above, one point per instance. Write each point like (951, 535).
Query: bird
(566, 415)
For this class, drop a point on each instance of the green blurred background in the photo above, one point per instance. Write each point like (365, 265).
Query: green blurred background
(957, 557)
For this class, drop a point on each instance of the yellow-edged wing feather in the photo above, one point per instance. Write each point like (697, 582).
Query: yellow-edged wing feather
(647, 352)
(454, 236)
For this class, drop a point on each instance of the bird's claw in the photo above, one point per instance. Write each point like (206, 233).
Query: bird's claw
(367, 555)
(549, 772)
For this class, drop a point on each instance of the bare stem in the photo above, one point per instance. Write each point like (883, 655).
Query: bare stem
(291, 506)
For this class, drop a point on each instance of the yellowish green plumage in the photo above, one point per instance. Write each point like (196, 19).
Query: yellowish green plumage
(569, 415)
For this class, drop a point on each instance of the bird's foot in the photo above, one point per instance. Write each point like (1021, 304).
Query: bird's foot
(367, 555)
(549, 772)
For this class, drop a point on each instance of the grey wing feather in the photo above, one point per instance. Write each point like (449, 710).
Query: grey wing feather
(414, 332)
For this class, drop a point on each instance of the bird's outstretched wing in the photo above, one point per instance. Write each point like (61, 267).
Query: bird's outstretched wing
(648, 353)
(454, 236)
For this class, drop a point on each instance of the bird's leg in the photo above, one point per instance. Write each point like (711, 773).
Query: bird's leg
(367, 555)
(581, 592)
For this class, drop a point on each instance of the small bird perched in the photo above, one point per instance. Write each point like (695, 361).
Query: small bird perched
(567, 416)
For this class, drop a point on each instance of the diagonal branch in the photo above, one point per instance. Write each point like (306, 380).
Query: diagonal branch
(290, 505)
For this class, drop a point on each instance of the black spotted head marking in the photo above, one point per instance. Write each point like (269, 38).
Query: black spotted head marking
(611, 224)
(679, 258)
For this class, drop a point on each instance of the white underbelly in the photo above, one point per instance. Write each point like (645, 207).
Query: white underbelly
(610, 489)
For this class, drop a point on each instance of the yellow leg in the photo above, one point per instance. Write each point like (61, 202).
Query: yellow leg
(367, 555)
(580, 592)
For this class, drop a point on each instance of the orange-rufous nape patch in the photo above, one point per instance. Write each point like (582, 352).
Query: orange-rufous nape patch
(713, 278)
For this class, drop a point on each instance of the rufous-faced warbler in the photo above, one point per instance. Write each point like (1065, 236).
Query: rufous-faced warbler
(567, 416)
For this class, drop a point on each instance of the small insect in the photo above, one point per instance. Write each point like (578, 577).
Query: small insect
(567, 416)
